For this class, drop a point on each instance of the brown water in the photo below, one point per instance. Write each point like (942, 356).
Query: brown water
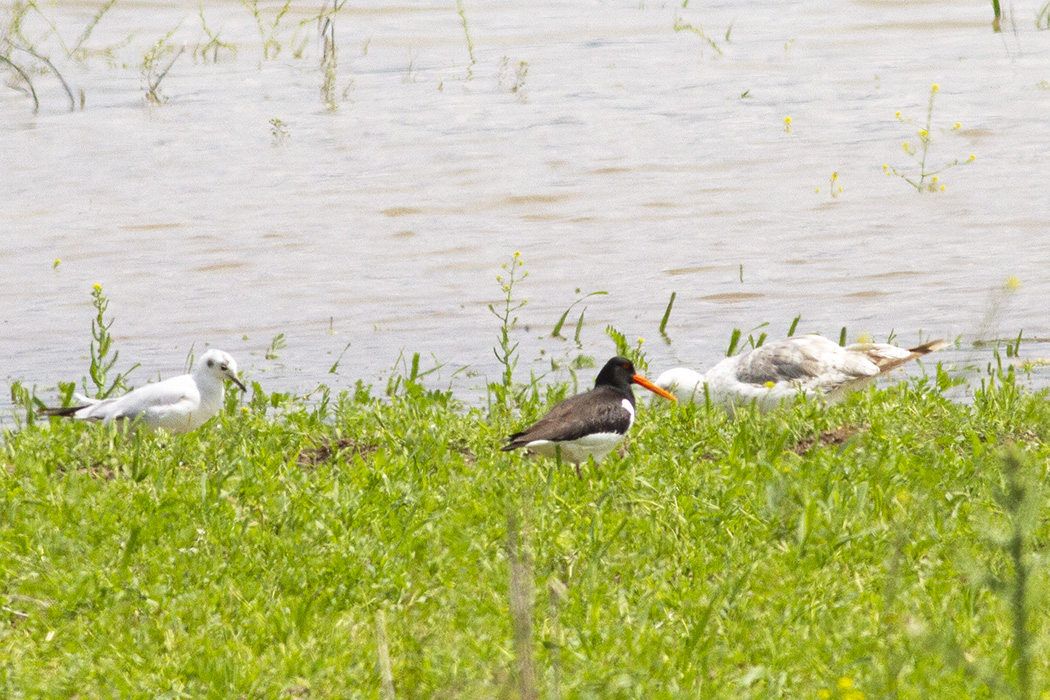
(631, 159)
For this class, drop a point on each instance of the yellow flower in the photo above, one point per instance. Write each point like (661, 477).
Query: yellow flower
(824, 694)
(770, 385)
(943, 187)
(923, 134)
(787, 120)
(898, 114)
(971, 159)
(641, 340)
(935, 87)
(56, 263)
(97, 287)
(844, 684)
(885, 167)
(1013, 283)
(958, 125)
(517, 254)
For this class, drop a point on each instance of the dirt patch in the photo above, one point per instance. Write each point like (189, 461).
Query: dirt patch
(96, 470)
(310, 457)
(833, 437)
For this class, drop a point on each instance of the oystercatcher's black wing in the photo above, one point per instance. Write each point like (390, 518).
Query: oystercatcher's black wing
(600, 410)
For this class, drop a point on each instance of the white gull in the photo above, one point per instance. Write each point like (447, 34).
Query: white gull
(177, 405)
(784, 369)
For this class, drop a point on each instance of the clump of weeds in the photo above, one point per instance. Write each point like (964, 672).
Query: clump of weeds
(77, 51)
(22, 52)
(152, 72)
(506, 311)
(329, 61)
(214, 43)
(927, 179)
(515, 86)
(103, 355)
(462, 10)
(834, 188)
(19, 53)
(682, 26)
(268, 26)
(279, 131)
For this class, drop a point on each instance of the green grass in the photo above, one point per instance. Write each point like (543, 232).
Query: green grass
(857, 551)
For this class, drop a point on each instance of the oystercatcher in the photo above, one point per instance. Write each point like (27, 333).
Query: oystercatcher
(784, 369)
(589, 424)
(177, 405)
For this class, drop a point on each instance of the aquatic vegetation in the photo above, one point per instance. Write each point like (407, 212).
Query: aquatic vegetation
(556, 332)
(683, 26)
(213, 44)
(999, 297)
(328, 65)
(103, 355)
(77, 49)
(834, 188)
(928, 179)
(28, 89)
(666, 317)
(517, 86)
(152, 73)
(276, 345)
(462, 10)
(6, 48)
(506, 349)
(329, 61)
(268, 26)
(15, 41)
(278, 131)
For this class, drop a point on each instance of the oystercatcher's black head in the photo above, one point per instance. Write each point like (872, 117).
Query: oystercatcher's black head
(619, 373)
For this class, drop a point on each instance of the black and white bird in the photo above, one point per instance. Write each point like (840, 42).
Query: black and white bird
(589, 424)
(177, 405)
(785, 369)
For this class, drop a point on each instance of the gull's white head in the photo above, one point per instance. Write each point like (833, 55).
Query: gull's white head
(220, 365)
(686, 385)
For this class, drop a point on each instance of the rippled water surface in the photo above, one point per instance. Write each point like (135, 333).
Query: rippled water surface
(614, 152)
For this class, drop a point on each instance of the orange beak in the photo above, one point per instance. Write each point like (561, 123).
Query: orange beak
(642, 381)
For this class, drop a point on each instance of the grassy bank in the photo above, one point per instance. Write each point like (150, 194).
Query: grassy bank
(858, 551)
